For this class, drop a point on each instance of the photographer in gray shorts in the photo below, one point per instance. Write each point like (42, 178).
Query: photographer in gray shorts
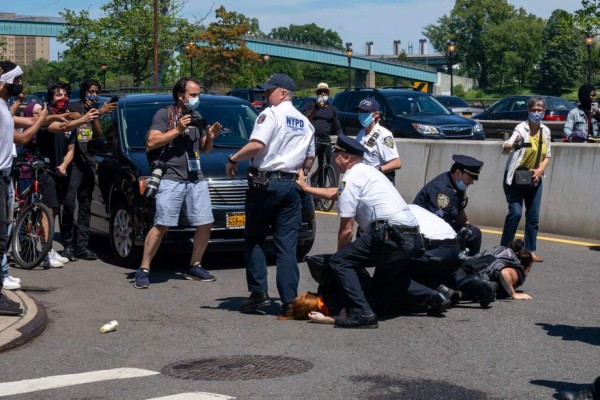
(175, 139)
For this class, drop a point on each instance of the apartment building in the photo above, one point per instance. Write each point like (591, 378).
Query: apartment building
(24, 49)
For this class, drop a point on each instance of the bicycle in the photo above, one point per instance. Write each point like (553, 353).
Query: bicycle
(324, 177)
(33, 231)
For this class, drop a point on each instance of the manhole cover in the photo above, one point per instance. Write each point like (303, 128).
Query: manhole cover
(237, 368)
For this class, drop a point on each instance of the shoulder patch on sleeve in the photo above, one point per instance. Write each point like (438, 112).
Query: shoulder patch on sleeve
(389, 142)
(443, 200)
(341, 187)
(261, 118)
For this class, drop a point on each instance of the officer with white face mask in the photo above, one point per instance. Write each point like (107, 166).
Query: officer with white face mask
(446, 197)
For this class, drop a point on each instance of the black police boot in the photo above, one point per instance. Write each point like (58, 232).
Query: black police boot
(256, 300)
(453, 295)
(438, 304)
(486, 292)
(286, 310)
(68, 253)
(85, 254)
(357, 321)
(593, 394)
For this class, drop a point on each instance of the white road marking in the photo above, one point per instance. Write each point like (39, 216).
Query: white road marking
(57, 381)
(194, 396)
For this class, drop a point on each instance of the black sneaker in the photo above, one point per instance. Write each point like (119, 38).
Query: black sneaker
(68, 253)
(256, 300)
(85, 254)
(357, 321)
(142, 279)
(486, 292)
(9, 307)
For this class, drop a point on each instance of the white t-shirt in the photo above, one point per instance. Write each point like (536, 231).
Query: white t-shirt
(380, 144)
(288, 136)
(7, 131)
(430, 225)
(368, 195)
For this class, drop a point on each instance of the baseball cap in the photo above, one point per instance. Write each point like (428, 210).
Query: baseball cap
(368, 104)
(278, 81)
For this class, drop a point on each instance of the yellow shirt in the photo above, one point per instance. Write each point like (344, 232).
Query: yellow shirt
(531, 152)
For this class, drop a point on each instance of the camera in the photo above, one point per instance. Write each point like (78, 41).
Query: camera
(197, 120)
(158, 170)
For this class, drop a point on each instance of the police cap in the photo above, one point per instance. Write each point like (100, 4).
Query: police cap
(278, 81)
(368, 104)
(470, 165)
(348, 145)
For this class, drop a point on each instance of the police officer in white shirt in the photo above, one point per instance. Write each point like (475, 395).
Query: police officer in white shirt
(382, 152)
(392, 233)
(281, 142)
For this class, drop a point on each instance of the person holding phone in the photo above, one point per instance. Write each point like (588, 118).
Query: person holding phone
(582, 122)
(529, 148)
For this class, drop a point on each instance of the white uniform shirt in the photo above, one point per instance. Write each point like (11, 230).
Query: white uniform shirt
(287, 135)
(368, 195)
(430, 225)
(380, 144)
(7, 131)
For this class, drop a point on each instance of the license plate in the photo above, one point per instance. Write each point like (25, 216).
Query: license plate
(236, 220)
(467, 115)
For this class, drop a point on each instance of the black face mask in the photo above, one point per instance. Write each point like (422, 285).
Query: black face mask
(14, 90)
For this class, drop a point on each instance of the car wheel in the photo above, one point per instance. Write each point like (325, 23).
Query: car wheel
(304, 248)
(122, 243)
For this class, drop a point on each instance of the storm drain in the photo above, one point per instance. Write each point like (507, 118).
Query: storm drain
(235, 368)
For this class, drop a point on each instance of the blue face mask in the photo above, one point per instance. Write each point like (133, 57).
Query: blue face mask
(92, 98)
(365, 119)
(536, 116)
(460, 185)
(192, 103)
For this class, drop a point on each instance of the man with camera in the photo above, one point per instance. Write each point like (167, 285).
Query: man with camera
(281, 142)
(177, 135)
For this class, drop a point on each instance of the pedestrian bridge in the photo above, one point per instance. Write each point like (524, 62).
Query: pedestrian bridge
(365, 67)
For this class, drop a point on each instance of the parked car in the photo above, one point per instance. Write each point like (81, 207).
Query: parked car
(407, 114)
(501, 117)
(458, 106)
(28, 99)
(119, 208)
(256, 97)
(301, 102)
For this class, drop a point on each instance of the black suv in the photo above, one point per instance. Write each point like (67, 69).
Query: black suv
(407, 114)
(256, 97)
(119, 208)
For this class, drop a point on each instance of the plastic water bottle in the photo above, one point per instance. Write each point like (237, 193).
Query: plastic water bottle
(111, 326)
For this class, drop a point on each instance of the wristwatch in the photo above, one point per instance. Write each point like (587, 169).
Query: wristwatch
(229, 160)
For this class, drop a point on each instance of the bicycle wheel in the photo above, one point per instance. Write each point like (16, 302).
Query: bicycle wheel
(32, 236)
(329, 180)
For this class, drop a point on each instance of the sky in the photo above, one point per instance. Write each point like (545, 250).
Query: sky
(378, 21)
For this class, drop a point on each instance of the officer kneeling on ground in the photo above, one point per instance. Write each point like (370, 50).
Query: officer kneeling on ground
(393, 234)
(446, 197)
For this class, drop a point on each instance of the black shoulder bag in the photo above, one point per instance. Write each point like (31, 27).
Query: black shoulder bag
(523, 177)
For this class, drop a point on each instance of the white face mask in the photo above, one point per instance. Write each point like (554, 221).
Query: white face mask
(192, 103)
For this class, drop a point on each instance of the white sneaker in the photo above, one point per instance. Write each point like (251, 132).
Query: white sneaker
(51, 262)
(9, 284)
(14, 278)
(58, 257)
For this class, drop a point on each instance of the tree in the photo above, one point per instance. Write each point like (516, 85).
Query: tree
(123, 39)
(224, 55)
(588, 17)
(561, 64)
(309, 34)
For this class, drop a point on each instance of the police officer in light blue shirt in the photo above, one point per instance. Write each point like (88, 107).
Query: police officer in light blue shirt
(281, 142)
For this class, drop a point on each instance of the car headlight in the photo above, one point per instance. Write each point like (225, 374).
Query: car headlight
(426, 129)
(478, 128)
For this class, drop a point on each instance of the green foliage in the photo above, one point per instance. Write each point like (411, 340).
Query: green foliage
(309, 34)
(588, 17)
(458, 90)
(561, 64)
(123, 39)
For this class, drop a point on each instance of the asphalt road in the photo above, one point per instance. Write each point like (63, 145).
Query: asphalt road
(515, 350)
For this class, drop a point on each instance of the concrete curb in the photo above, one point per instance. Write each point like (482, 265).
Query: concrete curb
(17, 331)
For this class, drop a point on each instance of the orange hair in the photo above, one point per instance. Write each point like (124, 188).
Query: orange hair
(302, 305)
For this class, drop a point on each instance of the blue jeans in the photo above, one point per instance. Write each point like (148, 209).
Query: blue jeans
(11, 201)
(516, 197)
(276, 211)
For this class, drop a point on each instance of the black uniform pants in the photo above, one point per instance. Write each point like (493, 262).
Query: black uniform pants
(364, 252)
(81, 186)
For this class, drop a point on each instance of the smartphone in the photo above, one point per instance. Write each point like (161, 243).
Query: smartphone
(594, 107)
(527, 144)
(114, 99)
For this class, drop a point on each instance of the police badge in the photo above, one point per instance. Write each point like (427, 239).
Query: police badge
(443, 200)
(389, 142)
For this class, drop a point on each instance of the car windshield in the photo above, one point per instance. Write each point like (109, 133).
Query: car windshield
(237, 121)
(409, 105)
(557, 103)
(452, 102)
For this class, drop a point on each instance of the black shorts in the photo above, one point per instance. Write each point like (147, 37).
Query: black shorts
(53, 189)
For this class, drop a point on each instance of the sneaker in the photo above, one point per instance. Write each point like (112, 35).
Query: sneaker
(142, 279)
(198, 273)
(9, 283)
(9, 307)
(58, 257)
(14, 278)
(68, 253)
(85, 254)
(51, 262)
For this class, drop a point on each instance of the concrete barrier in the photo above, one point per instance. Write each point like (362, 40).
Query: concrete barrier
(571, 198)
(502, 129)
